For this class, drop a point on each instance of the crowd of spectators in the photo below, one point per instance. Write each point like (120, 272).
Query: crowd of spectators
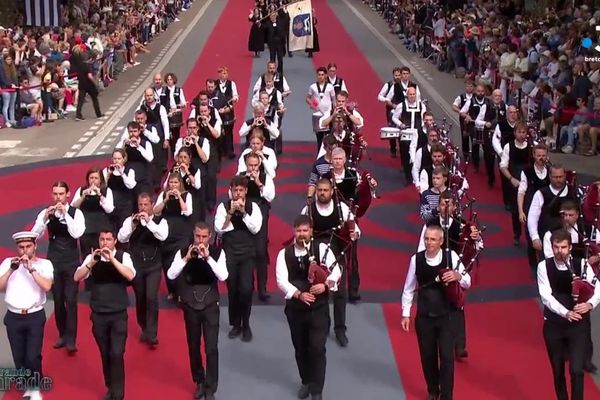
(543, 60)
(38, 81)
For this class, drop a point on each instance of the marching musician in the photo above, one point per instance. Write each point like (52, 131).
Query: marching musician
(238, 221)
(516, 156)
(268, 159)
(204, 98)
(457, 105)
(322, 165)
(453, 225)
(149, 132)
(274, 94)
(145, 233)
(65, 226)
(495, 115)
(390, 104)
(307, 304)
(438, 156)
(328, 216)
(199, 268)
(272, 99)
(533, 178)
(472, 117)
(504, 133)
(174, 102)
(430, 197)
(25, 280)
(175, 204)
(339, 85)
(157, 117)
(352, 118)
(398, 91)
(259, 120)
(434, 321)
(278, 79)
(139, 157)
(109, 271)
(350, 141)
(95, 200)
(422, 156)
(261, 190)
(320, 98)
(121, 181)
(210, 130)
(276, 33)
(226, 98)
(544, 212)
(566, 321)
(199, 147)
(157, 88)
(408, 116)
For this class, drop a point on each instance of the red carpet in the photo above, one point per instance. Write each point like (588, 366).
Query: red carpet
(507, 357)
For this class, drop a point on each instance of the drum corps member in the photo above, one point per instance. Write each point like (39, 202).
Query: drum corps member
(25, 280)
(433, 322)
(307, 305)
(65, 225)
(566, 321)
(198, 269)
(110, 272)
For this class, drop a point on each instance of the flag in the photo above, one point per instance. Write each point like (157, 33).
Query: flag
(42, 13)
(301, 25)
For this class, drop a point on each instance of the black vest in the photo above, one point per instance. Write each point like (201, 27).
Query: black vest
(431, 297)
(405, 115)
(96, 218)
(109, 287)
(144, 247)
(560, 282)
(507, 132)
(179, 224)
(197, 286)
(550, 215)
(426, 161)
(62, 247)
(337, 85)
(298, 275)
(347, 187)
(253, 193)
(323, 225)
(153, 114)
(163, 98)
(533, 185)
(518, 159)
(495, 114)
(475, 107)
(122, 195)
(176, 96)
(240, 241)
(221, 100)
(277, 82)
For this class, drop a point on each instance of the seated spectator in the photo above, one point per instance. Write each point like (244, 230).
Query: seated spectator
(568, 133)
(588, 132)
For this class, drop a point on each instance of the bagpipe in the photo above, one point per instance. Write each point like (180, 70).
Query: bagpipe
(581, 289)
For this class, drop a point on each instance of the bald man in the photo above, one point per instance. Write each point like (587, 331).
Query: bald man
(495, 113)
(505, 133)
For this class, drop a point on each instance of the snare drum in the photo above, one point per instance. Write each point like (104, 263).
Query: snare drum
(176, 119)
(389, 133)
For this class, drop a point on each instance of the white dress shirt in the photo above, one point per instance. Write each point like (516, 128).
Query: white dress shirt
(218, 267)
(159, 231)
(329, 208)
(106, 202)
(253, 221)
(172, 102)
(127, 263)
(144, 148)
(409, 132)
(325, 97)
(535, 211)
(545, 289)
(269, 163)
(410, 285)
(282, 274)
(75, 225)
(22, 292)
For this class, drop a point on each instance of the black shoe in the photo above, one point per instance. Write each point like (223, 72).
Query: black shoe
(432, 397)
(354, 298)
(209, 396)
(393, 154)
(264, 297)
(303, 392)
(341, 338)
(79, 119)
(290, 55)
(107, 396)
(316, 396)
(60, 343)
(461, 353)
(152, 343)
(235, 332)
(199, 392)
(247, 334)
(143, 338)
(71, 349)
(590, 367)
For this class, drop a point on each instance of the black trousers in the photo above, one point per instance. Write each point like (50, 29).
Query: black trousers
(167, 256)
(590, 345)
(471, 153)
(436, 347)
(85, 89)
(25, 336)
(110, 333)
(276, 53)
(405, 160)
(226, 142)
(320, 135)
(460, 330)
(388, 118)
(278, 143)
(262, 252)
(145, 287)
(489, 158)
(340, 300)
(209, 183)
(354, 274)
(64, 294)
(197, 324)
(567, 340)
(240, 285)
(506, 186)
(309, 328)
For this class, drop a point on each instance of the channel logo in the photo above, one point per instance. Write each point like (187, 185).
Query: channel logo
(587, 42)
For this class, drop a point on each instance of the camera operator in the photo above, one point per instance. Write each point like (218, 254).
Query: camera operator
(201, 267)
(145, 233)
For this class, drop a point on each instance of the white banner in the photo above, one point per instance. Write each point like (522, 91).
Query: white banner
(301, 25)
